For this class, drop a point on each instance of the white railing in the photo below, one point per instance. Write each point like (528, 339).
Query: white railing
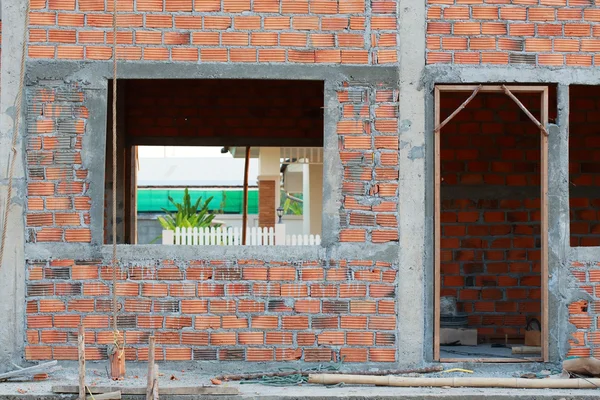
(301, 155)
(233, 237)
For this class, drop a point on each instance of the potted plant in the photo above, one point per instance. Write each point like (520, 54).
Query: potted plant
(188, 215)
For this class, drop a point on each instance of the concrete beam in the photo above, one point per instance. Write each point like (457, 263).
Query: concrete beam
(94, 73)
(445, 73)
(415, 289)
(127, 253)
(12, 269)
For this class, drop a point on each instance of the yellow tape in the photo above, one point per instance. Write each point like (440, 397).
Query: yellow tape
(468, 371)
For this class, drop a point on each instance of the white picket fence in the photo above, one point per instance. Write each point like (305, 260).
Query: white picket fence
(233, 237)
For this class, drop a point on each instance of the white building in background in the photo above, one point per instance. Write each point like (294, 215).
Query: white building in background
(217, 168)
(192, 166)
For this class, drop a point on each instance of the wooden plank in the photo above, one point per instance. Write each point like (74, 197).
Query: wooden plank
(491, 88)
(106, 396)
(437, 233)
(141, 390)
(30, 371)
(544, 225)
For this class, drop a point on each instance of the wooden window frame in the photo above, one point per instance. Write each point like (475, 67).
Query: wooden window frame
(508, 90)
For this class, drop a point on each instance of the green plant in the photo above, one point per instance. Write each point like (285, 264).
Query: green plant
(292, 207)
(188, 215)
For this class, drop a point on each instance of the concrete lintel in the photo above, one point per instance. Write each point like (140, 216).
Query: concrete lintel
(95, 72)
(437, 74)
(140, 253)
(584, 254)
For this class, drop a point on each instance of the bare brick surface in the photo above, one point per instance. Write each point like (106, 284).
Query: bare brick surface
(292, 321)
(584, 341)
(259, 31)
(56, 189)
(533, 32)
(584, 168)
(369, 154)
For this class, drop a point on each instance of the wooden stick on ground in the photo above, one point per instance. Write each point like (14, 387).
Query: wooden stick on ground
(150, 381)
(517, 383)
(81, 356)
(305, 373)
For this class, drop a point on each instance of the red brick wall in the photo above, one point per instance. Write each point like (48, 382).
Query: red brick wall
(491, 245)
(369, 154)
(534, 32)
(225, 108)
(584, 165)
(57, 201)
(265, 31)
(246, 310)
(583, 314)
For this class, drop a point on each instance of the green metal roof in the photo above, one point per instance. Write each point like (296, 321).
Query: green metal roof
(154, 200)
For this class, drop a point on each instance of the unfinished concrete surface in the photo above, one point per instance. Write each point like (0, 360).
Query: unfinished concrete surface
(367, 293)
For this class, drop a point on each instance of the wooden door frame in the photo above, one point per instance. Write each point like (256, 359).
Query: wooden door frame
(508, 89)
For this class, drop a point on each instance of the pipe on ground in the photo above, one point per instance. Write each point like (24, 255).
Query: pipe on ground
(516, 383)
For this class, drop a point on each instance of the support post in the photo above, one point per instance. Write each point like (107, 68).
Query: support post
(150, 378)
(245, 199)
(81, 356)
(155, 383)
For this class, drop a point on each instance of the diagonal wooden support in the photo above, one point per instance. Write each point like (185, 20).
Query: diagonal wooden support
(459, 109)
(525, 110)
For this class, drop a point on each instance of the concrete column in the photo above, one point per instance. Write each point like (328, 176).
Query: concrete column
(312, 194)
(415, 291)
(12, 269)
(268, 186)
(558, 227)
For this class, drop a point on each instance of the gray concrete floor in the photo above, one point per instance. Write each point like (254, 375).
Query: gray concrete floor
(483, 350)
(184, 377)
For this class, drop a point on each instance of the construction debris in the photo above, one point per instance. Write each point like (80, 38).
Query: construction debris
(106, 396)
(282, 374)
(582, 366)
(29, 372)
(466, 371)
